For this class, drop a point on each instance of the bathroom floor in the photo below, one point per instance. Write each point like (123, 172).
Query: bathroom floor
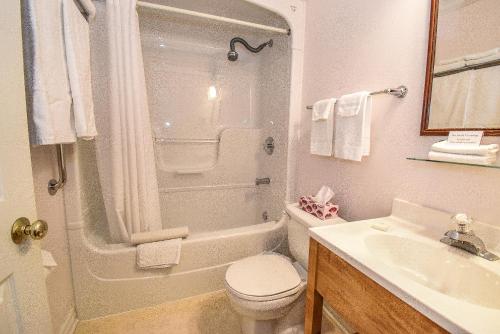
(205, 314)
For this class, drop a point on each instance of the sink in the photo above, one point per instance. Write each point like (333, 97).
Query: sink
(443, 269)
(455, 289)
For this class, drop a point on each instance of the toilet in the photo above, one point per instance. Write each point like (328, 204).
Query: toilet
(267, 291)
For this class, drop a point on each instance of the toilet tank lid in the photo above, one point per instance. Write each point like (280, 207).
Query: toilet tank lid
(299, 215)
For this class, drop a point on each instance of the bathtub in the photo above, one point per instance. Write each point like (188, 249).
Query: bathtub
(107, 281)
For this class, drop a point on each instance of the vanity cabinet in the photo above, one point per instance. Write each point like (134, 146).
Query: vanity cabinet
(365, 305)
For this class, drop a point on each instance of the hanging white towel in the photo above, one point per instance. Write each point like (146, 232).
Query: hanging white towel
(48, 92)
(459, 148)
(160, 254)
(482, 109)
(88, 8)
(322, 127)
(450, 61)
(353, 126)
(77, 44)
(449, 96)
(483, 57)
(449, 66)
(160, 235)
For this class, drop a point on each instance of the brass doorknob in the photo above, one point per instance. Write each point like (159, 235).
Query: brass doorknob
(22, 228)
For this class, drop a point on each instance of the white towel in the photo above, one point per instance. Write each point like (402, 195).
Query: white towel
(450, 61)
(449, 97)
(77, 44)
(48, 93)
(88, 7)
(482, 109)
(353, 126)
(322, 127)
(469, 149)
(160, 254)
(152, 236)
(450, 66)
(483, 57)
(464, 159)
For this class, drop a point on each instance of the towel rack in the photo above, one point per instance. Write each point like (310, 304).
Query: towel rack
(400, 92)
(55, 185)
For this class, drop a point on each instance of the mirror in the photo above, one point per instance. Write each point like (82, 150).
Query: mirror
(462, 87)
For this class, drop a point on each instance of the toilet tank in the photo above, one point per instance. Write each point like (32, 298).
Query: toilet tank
(299, 224)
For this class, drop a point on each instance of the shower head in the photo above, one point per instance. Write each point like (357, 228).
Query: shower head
(232, 55)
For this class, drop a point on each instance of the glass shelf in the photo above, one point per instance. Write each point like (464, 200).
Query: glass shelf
(454, 163)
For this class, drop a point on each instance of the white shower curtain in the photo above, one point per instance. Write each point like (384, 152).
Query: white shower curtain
(125, 151)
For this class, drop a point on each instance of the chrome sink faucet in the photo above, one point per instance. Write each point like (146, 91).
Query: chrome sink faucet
(464, 238)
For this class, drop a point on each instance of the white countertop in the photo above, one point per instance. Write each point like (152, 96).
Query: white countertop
(455, 289)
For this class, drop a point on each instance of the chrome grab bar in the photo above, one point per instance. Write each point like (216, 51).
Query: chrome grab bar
(55, 185)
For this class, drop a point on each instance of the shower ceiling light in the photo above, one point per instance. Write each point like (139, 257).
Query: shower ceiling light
(212, 93)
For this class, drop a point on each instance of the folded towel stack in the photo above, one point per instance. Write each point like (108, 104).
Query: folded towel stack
(464, 153)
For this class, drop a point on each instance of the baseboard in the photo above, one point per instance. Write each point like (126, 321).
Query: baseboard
(69, 324)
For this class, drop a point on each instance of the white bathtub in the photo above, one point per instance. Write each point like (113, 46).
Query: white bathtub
(107, 281)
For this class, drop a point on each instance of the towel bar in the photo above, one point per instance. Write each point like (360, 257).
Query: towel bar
(55, 185)
(400, 92)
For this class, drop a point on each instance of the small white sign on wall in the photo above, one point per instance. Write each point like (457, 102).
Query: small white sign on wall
(465, 137)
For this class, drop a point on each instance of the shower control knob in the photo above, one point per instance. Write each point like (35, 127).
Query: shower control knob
(22, 228)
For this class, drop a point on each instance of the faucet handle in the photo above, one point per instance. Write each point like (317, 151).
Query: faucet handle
(463, 222)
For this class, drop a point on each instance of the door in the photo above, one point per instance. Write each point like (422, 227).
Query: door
(23, 296)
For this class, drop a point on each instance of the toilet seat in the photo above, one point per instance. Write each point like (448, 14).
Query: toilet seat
(263, 277)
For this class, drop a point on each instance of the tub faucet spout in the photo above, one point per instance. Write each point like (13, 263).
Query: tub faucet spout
(264, 180)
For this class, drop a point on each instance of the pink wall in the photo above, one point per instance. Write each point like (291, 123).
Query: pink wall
(354, 45)
(469, 29)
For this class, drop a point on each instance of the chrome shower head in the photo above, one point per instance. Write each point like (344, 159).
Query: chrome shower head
(232, 55)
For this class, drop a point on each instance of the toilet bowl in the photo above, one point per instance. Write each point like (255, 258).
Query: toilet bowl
(268, 290)
(263, 289)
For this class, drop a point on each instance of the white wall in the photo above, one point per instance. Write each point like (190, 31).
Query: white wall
(354, 45)
(51, 209)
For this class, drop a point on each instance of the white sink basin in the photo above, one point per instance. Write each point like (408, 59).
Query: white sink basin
(444, 270)
(457, 290)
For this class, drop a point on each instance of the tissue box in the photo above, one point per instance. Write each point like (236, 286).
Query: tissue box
(327, 211)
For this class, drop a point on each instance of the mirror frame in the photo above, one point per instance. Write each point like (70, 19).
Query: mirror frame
(424, 130)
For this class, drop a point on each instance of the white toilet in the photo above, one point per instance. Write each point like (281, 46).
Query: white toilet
(267, 290)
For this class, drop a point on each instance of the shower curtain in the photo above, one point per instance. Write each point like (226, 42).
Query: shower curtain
(125, 152)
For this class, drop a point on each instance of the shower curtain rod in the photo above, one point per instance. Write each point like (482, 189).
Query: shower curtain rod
(212, 17)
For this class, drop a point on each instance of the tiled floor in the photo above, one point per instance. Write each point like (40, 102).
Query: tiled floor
(206, 314)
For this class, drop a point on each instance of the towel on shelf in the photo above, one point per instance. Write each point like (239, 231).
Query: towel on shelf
(467, 149)
(322, 127)
(482, 109)
(77, 45)
(88, 8)
(160, 254)
(352, 126)
(483, 57)
(463, 158)
(48, 92)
